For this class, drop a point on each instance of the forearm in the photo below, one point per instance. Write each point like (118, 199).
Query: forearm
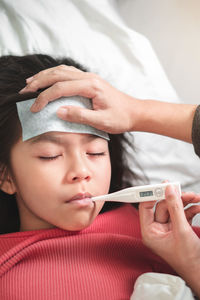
(170, 119)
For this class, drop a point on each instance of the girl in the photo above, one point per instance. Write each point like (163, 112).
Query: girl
(171, 236)
(56, 243)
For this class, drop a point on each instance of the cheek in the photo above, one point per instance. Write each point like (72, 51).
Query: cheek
(32, 180)
(104, 171)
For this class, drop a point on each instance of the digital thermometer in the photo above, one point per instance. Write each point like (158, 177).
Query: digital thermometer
(152, 192)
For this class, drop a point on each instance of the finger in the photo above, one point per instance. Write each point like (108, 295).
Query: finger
(84, 116)
(48, 79)
(62, 89)
(161, 212)
(38, 75)
(146, 214)
(175, 207)
(190, 197)
(51, 70)
(191, 212)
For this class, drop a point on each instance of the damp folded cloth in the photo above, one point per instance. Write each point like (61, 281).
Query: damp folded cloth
(46, 120)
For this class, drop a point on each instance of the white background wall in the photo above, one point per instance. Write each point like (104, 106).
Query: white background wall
(173, 27)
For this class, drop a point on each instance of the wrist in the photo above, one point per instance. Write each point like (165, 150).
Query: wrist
(191, 277)
(188, 268)
(150, 116)
(137, 114)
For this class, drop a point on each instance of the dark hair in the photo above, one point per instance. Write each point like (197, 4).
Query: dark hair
(13, 73)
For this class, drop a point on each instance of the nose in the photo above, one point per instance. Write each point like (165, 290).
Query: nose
(78, 171)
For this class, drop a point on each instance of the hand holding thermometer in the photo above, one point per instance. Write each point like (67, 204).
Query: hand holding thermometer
(139, 193)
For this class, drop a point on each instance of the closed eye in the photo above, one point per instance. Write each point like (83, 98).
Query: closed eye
(49, 157)
(96, 153)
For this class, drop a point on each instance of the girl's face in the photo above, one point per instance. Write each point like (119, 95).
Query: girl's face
(53, 176)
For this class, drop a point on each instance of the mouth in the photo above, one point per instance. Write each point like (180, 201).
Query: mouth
(81, 197)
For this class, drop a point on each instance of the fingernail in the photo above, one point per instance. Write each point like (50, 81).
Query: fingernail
(165, 181)
(22, 90)
(29, 79)
(170, 189)
(62, 112)
(35, 107)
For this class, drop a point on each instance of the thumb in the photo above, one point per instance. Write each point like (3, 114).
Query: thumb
(82, 115)
(175, 207)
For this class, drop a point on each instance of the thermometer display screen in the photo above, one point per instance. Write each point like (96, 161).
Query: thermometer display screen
(146, 193)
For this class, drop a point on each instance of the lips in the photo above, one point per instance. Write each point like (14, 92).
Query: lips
(80, 196)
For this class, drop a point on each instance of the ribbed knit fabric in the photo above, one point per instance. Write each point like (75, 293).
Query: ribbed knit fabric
(100, 262)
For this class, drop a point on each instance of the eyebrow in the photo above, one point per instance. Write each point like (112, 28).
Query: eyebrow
(46, 138)
(55, 139)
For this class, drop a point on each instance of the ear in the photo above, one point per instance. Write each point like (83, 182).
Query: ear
(7, 185)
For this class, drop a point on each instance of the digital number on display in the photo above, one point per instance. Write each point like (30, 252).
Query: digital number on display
(146, 194)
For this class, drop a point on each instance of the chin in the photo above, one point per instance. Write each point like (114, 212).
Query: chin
(79, 220)
(77, 225)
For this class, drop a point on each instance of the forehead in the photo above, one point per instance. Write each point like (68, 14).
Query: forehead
(63, 138)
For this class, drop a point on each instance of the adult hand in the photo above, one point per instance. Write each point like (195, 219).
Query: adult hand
(112, 108)
(169, 234)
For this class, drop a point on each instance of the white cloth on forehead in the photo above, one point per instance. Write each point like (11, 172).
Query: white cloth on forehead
(34, 124)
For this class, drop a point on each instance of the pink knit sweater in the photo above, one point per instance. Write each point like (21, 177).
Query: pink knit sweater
(100, 262)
